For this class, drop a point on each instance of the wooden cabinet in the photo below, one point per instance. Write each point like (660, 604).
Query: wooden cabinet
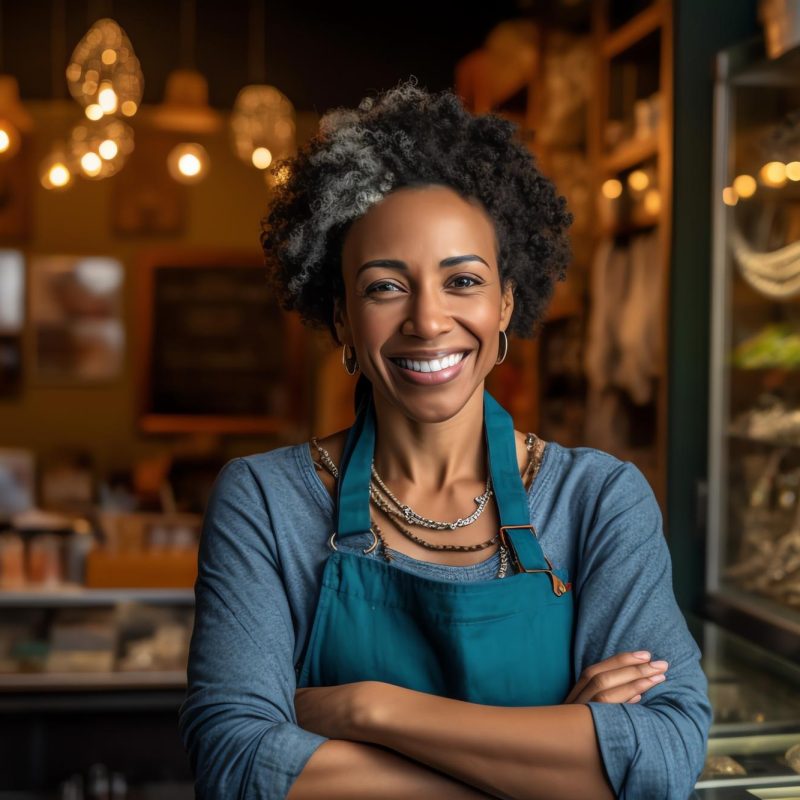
(630, 150)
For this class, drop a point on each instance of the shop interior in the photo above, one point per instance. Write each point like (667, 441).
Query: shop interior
(141, 349)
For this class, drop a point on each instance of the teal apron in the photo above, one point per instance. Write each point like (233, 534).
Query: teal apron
(502, 642)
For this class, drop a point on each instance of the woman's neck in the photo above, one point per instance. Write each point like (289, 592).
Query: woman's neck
(431, 454)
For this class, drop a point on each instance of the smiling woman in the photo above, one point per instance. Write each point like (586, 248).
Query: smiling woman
(431, 603)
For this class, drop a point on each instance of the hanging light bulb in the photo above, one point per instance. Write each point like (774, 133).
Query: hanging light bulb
(263, 125)
(54, 170)
(10, 139)
(102, 148)
(185, 108)
(14, 119)
(188, 162)
(104, 75)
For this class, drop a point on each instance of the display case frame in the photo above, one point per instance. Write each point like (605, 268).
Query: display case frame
(761, 619)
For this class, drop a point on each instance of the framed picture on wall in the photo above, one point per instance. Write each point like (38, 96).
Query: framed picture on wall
(216, 353)
(76, 318)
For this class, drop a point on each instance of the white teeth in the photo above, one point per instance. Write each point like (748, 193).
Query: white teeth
(434, 365)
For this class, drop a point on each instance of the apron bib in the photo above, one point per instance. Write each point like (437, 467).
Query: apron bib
(502, 642)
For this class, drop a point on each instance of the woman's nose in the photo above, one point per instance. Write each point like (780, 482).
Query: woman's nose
(428, 315)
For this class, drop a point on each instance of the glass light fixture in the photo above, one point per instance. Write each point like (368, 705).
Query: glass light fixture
(188, 162)
(14, 119)
(104, 74)
(185, 108)
(54, 170)
(101, 148)
(263, 125)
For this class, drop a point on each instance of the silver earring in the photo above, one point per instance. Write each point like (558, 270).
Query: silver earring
(350, 362)
(504, 346)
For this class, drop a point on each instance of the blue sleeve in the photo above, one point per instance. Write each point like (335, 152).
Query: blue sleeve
(238, 721)
(655, 748)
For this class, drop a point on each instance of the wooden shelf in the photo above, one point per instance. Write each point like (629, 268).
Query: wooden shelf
(94, 681)
(634, 226)
(630, 45)
(74, 595)
(629, 154)
(634, 30)
(743, 437)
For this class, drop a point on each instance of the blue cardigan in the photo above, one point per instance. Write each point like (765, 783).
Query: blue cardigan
(262, 551)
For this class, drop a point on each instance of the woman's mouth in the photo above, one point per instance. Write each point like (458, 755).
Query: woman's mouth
(430, 370)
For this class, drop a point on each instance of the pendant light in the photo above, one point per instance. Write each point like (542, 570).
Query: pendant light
(185, 109)
(14, 119)
(104, 75)
(55, 169)
(101, 148)
(263, 125)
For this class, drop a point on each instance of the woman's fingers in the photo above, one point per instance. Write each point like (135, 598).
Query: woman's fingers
(622, 678)
(621, 685)
(614, 662)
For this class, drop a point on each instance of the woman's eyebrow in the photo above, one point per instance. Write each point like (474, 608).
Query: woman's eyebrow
(392, 263)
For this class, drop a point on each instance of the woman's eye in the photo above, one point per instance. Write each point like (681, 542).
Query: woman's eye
(464, 282)
(383, 286)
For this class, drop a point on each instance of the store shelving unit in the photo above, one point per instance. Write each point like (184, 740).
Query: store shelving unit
(643, 40)
(752, 575)
(76, 595)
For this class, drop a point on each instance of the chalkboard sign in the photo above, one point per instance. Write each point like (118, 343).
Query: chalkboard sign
(218, 354)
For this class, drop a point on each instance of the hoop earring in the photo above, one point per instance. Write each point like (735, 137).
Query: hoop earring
(350, 362)
(504, 340)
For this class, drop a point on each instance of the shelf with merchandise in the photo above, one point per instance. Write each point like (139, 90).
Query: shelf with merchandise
(91, 681)
(633, 30)
(78, 595)
(630, 154)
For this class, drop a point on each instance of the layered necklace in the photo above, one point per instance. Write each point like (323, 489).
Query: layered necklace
(401, 514)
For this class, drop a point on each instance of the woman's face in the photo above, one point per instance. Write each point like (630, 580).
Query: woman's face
(424, 305)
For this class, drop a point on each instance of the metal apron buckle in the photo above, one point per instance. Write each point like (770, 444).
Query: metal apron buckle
(366, 550)
(559, 587)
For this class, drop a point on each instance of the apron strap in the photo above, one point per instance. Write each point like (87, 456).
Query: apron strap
(352, 492)
(516, 530)
(352, 506)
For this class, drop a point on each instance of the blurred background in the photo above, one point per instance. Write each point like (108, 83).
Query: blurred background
(140, 348)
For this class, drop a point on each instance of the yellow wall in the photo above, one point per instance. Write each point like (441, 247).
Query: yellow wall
(223, 211)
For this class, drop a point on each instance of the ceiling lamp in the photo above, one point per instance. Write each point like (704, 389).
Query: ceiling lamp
(262, 124)
(54, 171)
(101, 149)
(104, 75)
(14, 119)
(188, 162)
(185, 108)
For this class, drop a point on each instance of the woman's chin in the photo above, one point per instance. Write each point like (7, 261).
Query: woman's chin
(434, 404)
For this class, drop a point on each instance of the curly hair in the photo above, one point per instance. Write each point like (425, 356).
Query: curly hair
(407, 136)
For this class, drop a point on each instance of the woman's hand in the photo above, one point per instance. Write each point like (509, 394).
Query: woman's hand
(333, 711)
(623, 678)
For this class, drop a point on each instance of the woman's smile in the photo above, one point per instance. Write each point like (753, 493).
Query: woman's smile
(429, 371)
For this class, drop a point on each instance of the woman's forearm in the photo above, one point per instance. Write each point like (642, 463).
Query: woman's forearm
(527, 753)
(344, 770)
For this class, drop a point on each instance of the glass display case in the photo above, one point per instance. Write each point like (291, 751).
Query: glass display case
(754, 742)
(753, 554)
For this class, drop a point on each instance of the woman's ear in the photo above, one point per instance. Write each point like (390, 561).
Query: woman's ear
(340, 322)
(507, 304)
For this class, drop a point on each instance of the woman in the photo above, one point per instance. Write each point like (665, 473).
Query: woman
(432, 603)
